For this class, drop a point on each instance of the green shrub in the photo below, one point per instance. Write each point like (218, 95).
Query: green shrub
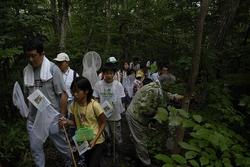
(14, 148)
(205, 144)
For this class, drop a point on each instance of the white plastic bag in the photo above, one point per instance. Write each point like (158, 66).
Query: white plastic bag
(46, 121)
(18, 100)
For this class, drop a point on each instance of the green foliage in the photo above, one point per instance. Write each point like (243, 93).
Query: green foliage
(14, 145)
(20, 19)
(161, 115)
(9, 52)
(159, 30)
(219, 105)
(205, 144)
(156, 136)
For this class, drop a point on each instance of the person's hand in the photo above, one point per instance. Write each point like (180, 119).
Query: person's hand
(63, 121)
(178, 98)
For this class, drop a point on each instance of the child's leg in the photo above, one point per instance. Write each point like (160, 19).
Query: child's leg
(94, 156)
(115, 130)
(36, 147)
(116, 138)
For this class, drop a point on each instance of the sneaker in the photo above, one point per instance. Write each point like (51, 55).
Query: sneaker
(81, 163)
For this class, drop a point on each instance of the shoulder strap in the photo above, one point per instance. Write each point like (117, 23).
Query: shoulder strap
(74, 76)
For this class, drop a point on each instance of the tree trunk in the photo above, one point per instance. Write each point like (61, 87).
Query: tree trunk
(227, 11)
(108, 18)
(123, 30)
(195, 67)
(197, 49)
(63, 28)
(55, 19)
(125, 4)
(88, 40)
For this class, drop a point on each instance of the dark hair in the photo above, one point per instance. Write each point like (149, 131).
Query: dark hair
(109, 67)
(161, 65)
(34, 43)
(83, 84)
(122, 65)
(130, 71)
(147, 81)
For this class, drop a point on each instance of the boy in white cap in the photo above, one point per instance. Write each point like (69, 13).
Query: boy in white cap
(110, 91)
(114, 63)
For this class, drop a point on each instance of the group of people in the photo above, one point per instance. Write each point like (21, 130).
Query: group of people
(132, 90)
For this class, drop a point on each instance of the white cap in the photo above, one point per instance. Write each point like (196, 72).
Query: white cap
(62, 57)
(111, 60)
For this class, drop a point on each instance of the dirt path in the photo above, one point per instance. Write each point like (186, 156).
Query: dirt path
(127, 157)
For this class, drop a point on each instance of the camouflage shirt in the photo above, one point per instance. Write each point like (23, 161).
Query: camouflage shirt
(146, 100)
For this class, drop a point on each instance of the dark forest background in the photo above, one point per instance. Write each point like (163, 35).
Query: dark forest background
(205, 43)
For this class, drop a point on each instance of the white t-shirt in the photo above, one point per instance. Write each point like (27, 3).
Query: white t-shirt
(113, 93)
(68, 78)
(155, 77)
(128, 84)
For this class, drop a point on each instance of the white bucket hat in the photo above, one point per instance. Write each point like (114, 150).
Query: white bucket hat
(62, 57)
(111, 60)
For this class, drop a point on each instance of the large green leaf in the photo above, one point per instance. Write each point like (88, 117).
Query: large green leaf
(175, 121)
(188, 146)
(164, 158)
(202, 133)
(194, 163)
(179, 159)
(211, 152)
(190, 154)
(188, 123)
(161, 115)
(204, 161)
(197, 118)
(183, 113)
(167, 165)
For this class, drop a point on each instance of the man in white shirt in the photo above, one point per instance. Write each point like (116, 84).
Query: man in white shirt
(62, 60)
(162, 69)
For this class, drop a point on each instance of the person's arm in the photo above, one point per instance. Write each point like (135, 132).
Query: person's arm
(175, 97)
(101, 123)
(63, 121)
(60, 89)
(63, 103)
(96, 93)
